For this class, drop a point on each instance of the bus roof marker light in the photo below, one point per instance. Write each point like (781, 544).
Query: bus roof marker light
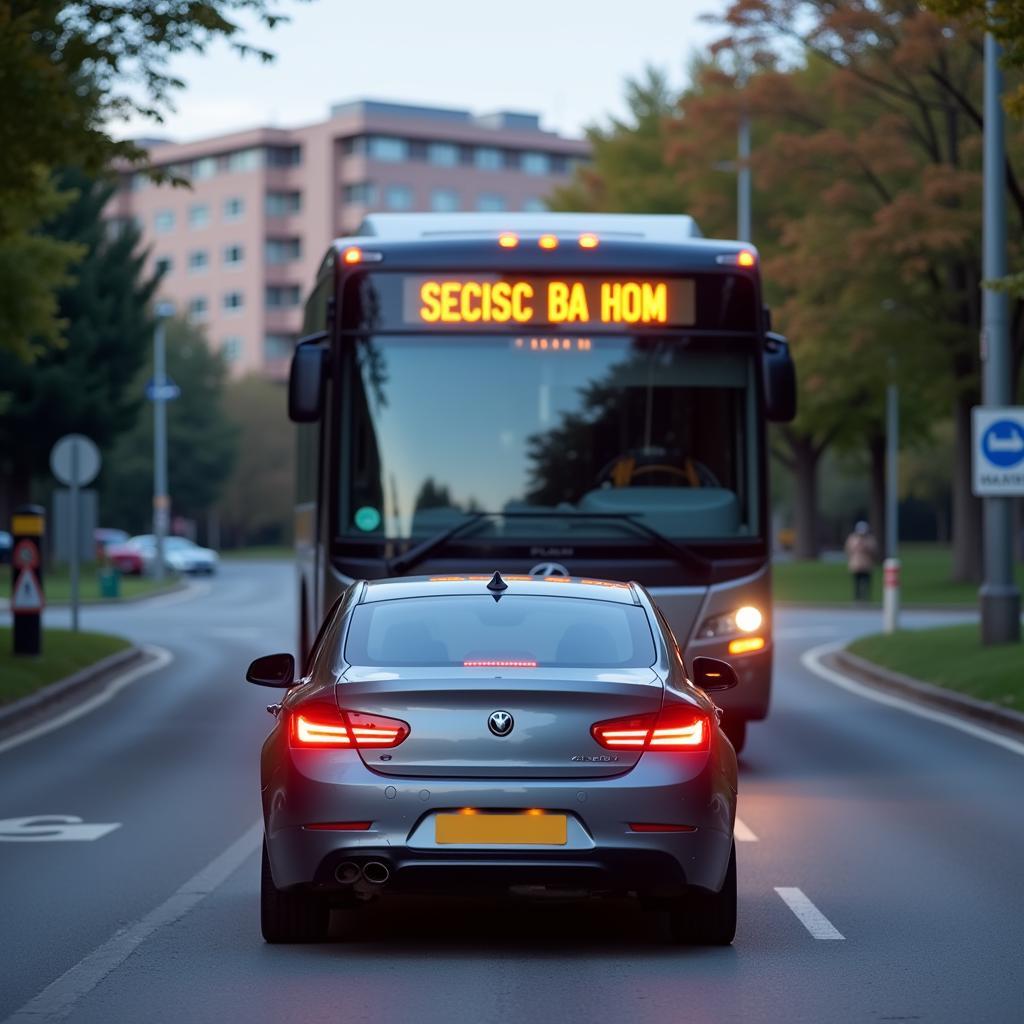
(547, 242)
(508, 240)
(745, 258)
(588, 240)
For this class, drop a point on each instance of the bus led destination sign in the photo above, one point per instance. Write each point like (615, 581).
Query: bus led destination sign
(533, 301)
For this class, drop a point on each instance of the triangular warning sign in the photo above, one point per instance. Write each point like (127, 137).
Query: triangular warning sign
(28, 595)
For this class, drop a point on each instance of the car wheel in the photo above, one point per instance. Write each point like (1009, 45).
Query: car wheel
(707, 918)
(290, 916)
(736, 730)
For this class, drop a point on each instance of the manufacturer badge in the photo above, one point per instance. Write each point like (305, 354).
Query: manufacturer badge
(500, 723)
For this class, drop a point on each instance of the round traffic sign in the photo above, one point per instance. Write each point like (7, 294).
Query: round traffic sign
(75, 460)
(1003, 443)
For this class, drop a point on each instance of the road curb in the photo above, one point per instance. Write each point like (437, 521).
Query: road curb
(34, 704)
(927, 693)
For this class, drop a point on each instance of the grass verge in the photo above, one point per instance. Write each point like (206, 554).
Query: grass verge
(63, 654)
(926, 571)
(57, 584)
(953, 657)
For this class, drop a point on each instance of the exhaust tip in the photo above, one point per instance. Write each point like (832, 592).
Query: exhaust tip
(347, 872)
(376, 872)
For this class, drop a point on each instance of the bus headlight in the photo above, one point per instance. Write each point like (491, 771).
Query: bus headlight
(747, 619)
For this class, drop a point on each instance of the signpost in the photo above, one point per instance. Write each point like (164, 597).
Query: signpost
(160, 390)
(27, 528)
(75, 461)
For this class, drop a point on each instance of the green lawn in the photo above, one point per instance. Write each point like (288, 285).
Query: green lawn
(57, 584)
(277, 552)
(952, 657)
(64, 653)
(926, 572)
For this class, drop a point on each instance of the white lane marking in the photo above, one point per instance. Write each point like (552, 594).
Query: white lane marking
(742, 832)
(808, 914)
(52, 828)
(160, 658)
(58, 999)
(811, 660)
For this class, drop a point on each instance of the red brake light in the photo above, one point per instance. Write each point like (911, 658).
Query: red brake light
(324, 726)
(499, 663)
(678, 727)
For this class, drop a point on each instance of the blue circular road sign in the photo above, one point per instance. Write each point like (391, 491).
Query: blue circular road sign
(1003, 444)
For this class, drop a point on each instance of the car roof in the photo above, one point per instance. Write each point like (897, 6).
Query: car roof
(467, 584)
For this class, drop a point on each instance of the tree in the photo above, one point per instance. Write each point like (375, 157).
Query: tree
(83, 386)
(202, 443)
(258, 499)
(69, 68)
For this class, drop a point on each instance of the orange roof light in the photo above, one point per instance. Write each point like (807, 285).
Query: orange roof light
(588, 241)
(745, 258)
(547, 242)
(353, 254)
(508, 240)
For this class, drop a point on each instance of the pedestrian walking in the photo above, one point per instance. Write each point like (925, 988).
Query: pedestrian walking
(861, 554)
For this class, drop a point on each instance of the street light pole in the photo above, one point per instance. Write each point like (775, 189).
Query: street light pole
(891, 564)
(999, 594)
(744, 228)
(161, 499)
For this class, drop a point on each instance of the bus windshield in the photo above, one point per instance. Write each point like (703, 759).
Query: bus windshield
(590, 429)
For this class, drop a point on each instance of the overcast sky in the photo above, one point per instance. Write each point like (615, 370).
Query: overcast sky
(563, 59)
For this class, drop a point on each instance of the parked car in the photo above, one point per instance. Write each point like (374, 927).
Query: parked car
(129, 557)
(104, 537)
(184, 555)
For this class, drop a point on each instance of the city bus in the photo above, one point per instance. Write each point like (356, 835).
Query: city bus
(548, 395)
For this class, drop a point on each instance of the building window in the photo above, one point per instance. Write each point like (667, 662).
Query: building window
(362, 193)
(234, 255)
(283, 296)
(198, 215)
(487, 158)
(490, 202)
(444, 200)
(534, 205)
(245, 160)
(535, 163)
(198, 307)
(278, 346)
(353, 145)
(163, 221)
(198, 261)
(234, 208)
(283, 250)
(387, 149)
(284, 156)
(398, 197)
(163, 265)
(233, 302)
(280, 204)
(205, 167)
(443, 154)
(231, 348)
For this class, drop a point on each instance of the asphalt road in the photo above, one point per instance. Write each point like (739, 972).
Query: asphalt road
(900, 834)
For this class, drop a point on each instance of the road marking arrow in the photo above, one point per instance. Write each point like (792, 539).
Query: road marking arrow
(52, 828)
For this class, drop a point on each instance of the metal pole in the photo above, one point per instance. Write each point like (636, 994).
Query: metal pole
(73, 519)
(161, 502)
(744, 228)
(999, 594)
(891, 565)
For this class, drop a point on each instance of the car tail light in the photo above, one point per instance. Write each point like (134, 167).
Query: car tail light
(324, 726)
(677, 727)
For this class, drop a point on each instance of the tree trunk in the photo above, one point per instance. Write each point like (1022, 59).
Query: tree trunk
(876, 454)
(966, 508)
(805, 479)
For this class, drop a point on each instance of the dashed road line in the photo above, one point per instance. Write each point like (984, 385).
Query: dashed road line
(743, 833)
(812, 661)
(58, 999)
(808, 914)
(159, 658)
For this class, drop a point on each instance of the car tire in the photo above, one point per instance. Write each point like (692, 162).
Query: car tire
(703, 918)
(736, 730)
(290, 916)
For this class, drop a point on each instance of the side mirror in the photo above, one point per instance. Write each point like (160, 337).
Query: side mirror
(712, 674)
(272, 670)
(306, 379)
(779, 379)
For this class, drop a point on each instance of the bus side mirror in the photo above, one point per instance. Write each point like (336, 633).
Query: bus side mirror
(713, 674)
(779, 379)
(306, 379)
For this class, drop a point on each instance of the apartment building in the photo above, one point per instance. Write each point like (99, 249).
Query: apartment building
(240, 247)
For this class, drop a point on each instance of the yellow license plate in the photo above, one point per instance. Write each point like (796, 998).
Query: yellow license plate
(501, 829)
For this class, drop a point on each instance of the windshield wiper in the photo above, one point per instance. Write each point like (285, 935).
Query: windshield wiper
(683, 554)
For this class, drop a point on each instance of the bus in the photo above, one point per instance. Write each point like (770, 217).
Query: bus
(549, 395)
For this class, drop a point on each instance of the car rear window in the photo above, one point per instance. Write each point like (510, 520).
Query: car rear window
(519, 631)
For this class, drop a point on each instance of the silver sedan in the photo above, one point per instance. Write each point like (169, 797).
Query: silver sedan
(464, 733)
